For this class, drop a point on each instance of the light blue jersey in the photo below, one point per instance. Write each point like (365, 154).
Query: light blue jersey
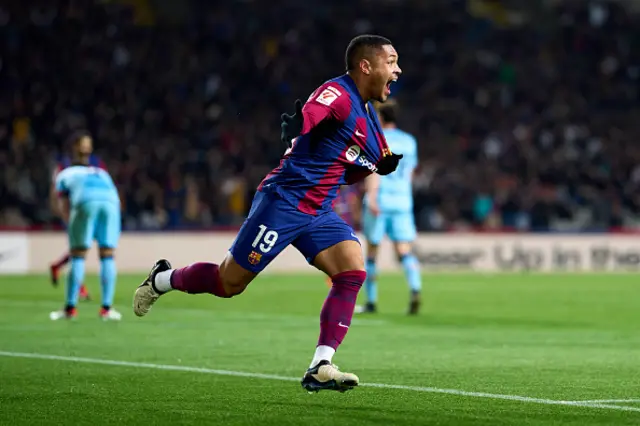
(95, 206)
(84, 184)
(94, 216)
(395, 202)
(395, 194)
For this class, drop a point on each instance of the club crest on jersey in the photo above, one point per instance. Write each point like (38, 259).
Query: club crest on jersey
(328, 95)
(254, 258)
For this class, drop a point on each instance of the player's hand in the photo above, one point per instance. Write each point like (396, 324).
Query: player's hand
(388, 164)
(292, 124)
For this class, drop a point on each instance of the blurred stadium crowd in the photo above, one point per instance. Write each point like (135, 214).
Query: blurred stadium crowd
(524, 113)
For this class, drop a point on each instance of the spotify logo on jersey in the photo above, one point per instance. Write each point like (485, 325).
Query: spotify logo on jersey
(352, 153)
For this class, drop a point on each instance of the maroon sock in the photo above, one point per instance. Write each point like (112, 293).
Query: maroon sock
(335, 317)
(62, 261)
(201, 277)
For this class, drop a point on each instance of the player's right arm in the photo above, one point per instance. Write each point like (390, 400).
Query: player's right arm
(329, 102)
(371, 187)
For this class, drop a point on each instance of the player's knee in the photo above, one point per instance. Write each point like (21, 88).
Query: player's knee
(233, 277)
(342, 257)
(372, 250)
(403, 250)
(234, 289)
(233, 285)
(106, 252)
(353, 259)
(78, 252)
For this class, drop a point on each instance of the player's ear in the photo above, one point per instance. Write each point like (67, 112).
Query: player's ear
(365, 66)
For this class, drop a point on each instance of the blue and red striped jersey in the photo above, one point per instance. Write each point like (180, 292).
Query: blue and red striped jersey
(65, 161)
(340, 144)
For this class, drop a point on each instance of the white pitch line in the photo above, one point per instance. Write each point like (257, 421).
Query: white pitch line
(604, 401)
(457, 392)
(226, 314)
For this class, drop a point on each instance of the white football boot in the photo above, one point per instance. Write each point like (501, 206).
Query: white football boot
(146, 295)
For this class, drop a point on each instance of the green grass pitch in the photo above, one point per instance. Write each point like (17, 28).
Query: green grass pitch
(480, 343)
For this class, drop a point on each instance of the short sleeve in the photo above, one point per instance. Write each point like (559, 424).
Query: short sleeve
(60, 184)
(329, 101)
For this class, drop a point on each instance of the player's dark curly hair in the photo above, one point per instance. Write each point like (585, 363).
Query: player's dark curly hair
(76, 136)
(360, 46)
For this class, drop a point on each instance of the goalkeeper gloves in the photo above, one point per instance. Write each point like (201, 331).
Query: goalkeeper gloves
(291, 124)
(388, 164)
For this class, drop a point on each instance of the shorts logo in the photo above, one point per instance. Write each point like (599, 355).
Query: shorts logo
(352, 153)
(254, 258)
(328, 95)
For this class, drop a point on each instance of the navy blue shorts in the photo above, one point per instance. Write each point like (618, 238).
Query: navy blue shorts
(274, 223)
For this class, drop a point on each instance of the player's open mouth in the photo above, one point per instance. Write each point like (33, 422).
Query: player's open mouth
(387, 88)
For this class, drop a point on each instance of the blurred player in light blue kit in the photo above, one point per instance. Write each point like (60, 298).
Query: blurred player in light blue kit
(388, 209)
(54, 270)
(88, 201)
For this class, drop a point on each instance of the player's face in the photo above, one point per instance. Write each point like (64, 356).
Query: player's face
(85, 146)
(385, 70)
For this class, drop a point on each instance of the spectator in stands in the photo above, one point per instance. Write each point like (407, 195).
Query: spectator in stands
(526, 118)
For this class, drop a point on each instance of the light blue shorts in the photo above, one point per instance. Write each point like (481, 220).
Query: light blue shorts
(399, 227)
(95, 220)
